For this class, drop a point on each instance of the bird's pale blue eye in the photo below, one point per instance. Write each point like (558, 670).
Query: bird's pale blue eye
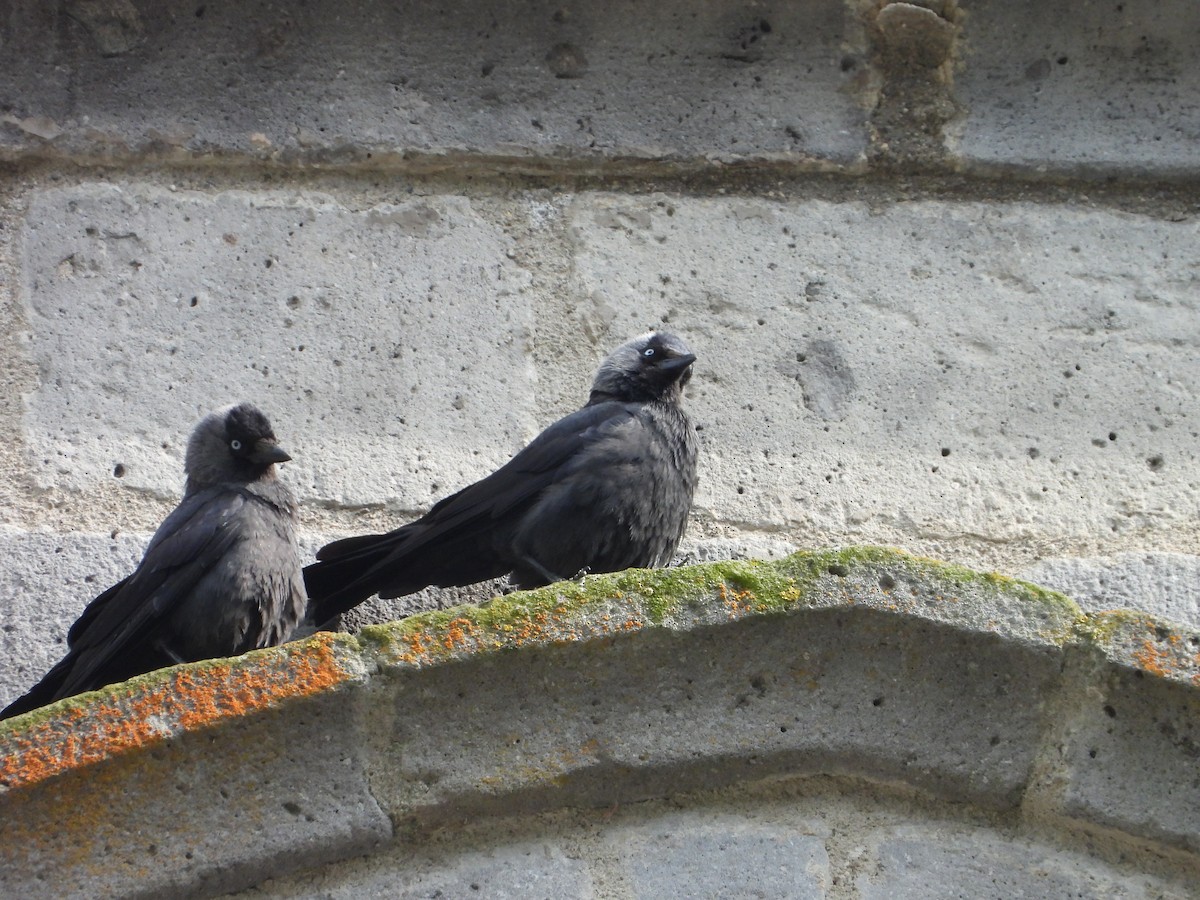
(235, 444)
(648, 352)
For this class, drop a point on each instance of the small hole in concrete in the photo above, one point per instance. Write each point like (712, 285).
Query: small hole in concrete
(839, 570)
(1092, 753)
(119, 471)
(195, 301)
(945, 451)
(1155, 463)
(1110, 712)
(878, 701)
(886, 581)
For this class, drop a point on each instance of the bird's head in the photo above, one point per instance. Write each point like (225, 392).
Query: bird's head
(652, 366)
(232, 444)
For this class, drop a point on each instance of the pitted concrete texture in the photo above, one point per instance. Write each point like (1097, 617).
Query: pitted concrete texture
(912, 372)
(46, 582)
(138, 796)
(678, 855)
(376, 82)
(946, 376)
(1083, 88)
(554, 721)
(360, 333)
(915, 862)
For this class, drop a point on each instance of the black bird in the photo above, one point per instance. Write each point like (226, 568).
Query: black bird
(608, 487)
(220, 576)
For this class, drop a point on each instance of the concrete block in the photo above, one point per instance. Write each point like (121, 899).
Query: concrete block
(1131, 755)
(511, 870)
(147, 308)
(694, 854)
(1164, 584)
(638, 710)
(45, 583)
(1095, 87)
(972, 692)
(723, 81)
(124, 794)
(916, 372)
(915, 862)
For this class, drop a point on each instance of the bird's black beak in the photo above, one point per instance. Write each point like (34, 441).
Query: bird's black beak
(266, 452)
(677, 365)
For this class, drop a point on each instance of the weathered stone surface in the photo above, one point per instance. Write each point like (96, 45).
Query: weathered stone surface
(189, 782)
(514, 870)
(918, 861)
(45, 582)
(692, 855)
(765, 693)
(867, 664)
(321, 83)
(914, 372)
(1097, 87)
(1048, 408)
(1165, 584)
(1137, 730)
(147, 308)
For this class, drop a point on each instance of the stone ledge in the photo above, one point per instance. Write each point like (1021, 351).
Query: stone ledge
(865, 662)
(381, 84)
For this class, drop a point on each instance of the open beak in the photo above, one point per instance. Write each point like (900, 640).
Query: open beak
(267, 452)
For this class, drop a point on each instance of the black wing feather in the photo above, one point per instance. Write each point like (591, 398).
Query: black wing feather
(113, 639)
(461, 528)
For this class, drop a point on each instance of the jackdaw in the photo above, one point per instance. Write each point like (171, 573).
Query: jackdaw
(220, 576)
(608, 487)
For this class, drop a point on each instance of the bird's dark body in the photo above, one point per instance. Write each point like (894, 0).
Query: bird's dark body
(220, 576)
(606, 488)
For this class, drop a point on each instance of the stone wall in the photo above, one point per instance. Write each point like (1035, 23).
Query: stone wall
(939, 263)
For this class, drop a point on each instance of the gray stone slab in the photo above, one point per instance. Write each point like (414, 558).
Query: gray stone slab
(705, 855)
(1081, 87)
(919, 371)
(329, 82)
(45, 582)
(925, 861)
(1165, 584)
(1132, 759)
(952, 709)
(538, 869)
(203, 811)
(379, 341)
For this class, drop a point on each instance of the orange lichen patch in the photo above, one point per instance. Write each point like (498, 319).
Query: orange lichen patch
(118, 721)
(1153, 658)
(429, 639)
(457, 632)
(737, 603)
